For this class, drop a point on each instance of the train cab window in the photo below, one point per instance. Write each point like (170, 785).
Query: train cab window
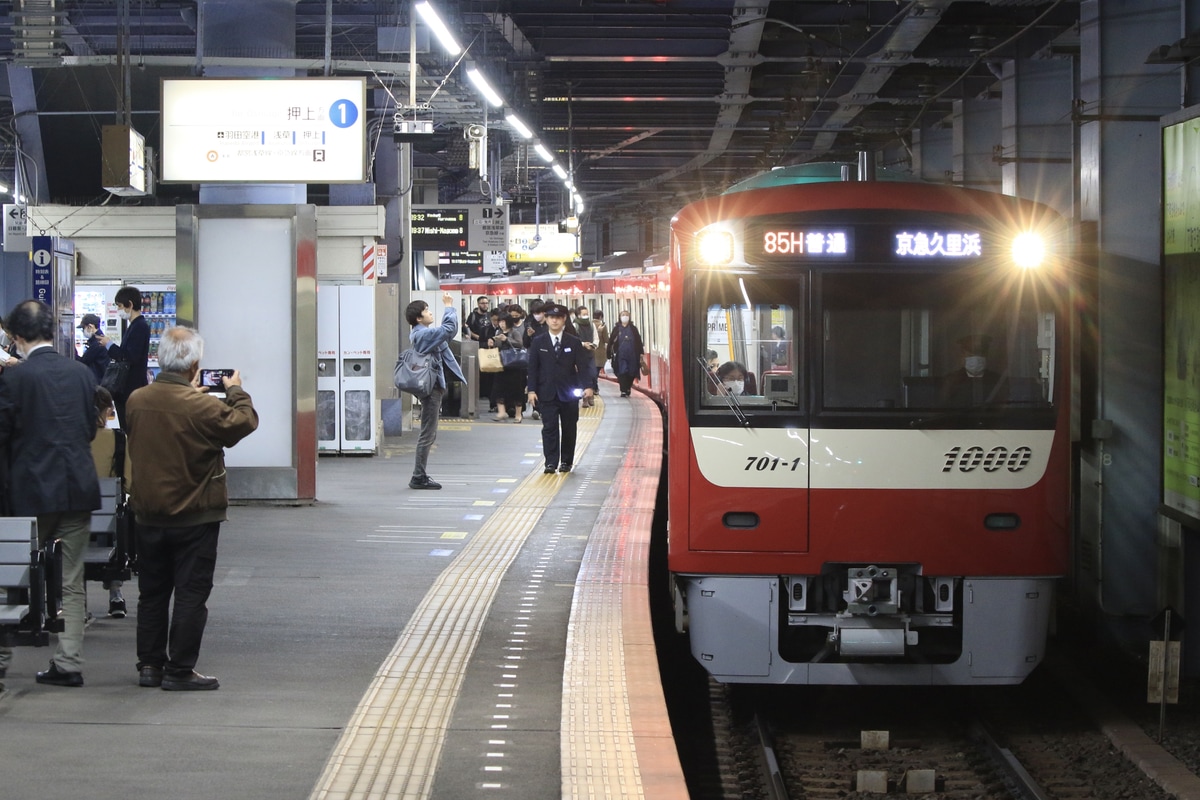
(750, 357)
(938, 341)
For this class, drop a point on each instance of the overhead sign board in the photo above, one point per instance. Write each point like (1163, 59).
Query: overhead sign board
(264, 130)
(537, 243)
(16, 228)
(43, 269)
(472, 227)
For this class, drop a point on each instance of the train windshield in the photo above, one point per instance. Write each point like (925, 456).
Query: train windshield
(751, 354)
(942, 342)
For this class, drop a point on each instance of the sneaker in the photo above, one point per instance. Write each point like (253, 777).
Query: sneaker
(190, 682)
(116, 607)
(150, 677)
(536, 415)
(549, 470)
(564, 467)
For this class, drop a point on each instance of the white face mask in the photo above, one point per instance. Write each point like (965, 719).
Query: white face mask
(735, 387)
(624, 318)
(583, 317)
(975, 365)
(122, 313)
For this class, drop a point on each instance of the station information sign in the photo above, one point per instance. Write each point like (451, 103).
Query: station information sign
(437, 228)
(264, 130)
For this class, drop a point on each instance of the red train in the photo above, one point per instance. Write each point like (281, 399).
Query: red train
(866, 386)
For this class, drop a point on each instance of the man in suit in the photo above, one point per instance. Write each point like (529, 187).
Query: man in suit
(47, 423)
(430, 339)
(134, 348)
(560, 373)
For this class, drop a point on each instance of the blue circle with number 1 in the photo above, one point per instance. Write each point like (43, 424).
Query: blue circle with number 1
(343, 113)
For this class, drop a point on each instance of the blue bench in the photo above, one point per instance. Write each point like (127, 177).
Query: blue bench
(30, 584)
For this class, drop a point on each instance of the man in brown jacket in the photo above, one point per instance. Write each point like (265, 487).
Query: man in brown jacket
(177, 436)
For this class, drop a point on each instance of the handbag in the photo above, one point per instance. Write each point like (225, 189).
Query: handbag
(115, 375)
(414, 373)
(490, 361)
(515, 358)
(644, 366)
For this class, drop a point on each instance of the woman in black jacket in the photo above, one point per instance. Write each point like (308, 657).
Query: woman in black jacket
(625, 350)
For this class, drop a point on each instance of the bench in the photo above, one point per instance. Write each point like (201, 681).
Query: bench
(30, 584)
(107, 554)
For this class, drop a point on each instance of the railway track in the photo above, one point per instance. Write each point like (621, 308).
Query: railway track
(814, 743)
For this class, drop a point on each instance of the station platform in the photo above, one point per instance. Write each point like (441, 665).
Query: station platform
(491, 639)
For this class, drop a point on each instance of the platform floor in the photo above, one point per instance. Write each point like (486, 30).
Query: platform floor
(383, 642)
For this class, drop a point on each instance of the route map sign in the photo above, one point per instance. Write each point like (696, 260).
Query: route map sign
(264, 130)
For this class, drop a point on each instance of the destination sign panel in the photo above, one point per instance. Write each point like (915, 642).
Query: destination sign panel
(440, 228)
(264, 130)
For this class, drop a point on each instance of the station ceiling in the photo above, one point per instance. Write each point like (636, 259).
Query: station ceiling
(649, 103)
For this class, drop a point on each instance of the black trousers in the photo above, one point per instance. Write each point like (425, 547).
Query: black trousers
(179, 562)
(559, 448)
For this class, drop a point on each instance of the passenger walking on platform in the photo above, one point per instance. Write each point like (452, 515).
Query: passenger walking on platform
(510, 384)
(134, 348)
(590, 338)
(47, 423)
(177, 440)
(626, 351)
(95, 355)
(560, 373)
(430, 340)
(601, 353)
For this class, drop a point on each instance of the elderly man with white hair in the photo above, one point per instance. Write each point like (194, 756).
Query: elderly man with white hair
(177, 440)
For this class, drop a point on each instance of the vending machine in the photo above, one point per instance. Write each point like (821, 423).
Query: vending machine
(158, 307)
(346, 407)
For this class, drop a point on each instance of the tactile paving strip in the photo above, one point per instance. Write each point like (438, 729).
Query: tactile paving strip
(390, 747)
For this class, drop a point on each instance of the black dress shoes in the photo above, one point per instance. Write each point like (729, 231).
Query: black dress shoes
(191, 682)
(564, 467)
(150, 677)
(549, 470)
(424, 483)
(57, 677)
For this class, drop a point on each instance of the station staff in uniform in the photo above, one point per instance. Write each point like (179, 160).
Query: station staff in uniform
(560, 373)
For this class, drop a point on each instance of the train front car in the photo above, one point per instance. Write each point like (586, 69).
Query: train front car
(868, 433)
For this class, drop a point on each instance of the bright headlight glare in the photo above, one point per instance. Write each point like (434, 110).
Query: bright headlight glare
(1028, 250)
(714, 247)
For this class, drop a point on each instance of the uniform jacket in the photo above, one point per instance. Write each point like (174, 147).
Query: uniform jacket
(177, 441)
(134, 349)
(47, 423)
(562, 377)
(428, 339)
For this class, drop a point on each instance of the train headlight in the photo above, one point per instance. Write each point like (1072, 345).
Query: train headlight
(1028, 250)
(714, 247)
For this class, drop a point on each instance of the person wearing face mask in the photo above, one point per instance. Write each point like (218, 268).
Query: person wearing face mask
(974, 383)
(134, 348)
(730, 379)
(95, 355)
(625, 351)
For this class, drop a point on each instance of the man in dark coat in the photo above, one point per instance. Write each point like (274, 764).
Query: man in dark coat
(560, 373)
(134, 348)
(47, 423)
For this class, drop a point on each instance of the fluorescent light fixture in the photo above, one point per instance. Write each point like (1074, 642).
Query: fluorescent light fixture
(3, 188)
(520, 126)
(484, 88)
(541, 150)
(560, 172)
(439, 28)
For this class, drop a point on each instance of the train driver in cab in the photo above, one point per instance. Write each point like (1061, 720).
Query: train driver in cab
(731, 379)
(973, 383)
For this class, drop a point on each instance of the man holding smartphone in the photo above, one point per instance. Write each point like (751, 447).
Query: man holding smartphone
(177, 441)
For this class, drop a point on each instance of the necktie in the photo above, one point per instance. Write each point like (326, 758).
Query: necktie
(557, 350)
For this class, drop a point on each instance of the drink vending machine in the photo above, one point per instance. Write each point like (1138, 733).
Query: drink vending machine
(346, 408)
(158, 307)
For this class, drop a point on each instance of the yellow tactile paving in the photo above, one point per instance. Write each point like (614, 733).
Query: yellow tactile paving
(390, 747)
(616, 739)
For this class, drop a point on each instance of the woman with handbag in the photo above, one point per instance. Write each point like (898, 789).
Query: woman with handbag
(626, 351)
(509, 385)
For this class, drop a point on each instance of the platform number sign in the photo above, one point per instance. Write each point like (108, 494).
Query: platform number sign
(43, 271)
(343, 113)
